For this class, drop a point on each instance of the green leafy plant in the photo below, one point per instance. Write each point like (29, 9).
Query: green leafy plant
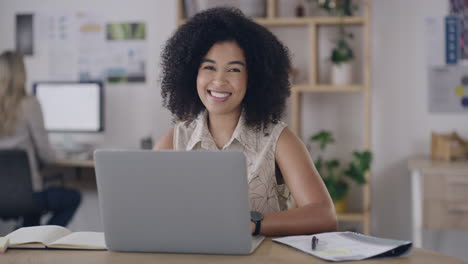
(342, 52)
(336, 180)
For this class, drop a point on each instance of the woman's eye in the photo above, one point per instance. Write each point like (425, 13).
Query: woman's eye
(208, 67)
(234, 70)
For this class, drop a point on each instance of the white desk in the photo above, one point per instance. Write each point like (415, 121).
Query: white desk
(445, 194)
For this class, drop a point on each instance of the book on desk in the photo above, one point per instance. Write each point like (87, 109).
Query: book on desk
(51, 236)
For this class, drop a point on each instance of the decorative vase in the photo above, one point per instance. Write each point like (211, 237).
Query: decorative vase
(341, 74)
(341, 205)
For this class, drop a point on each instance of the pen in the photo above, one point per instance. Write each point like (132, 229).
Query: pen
(314, 242)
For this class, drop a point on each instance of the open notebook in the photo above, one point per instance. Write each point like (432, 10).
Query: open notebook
(51, 236)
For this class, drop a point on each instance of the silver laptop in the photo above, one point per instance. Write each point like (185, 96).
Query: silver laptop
(172, 201)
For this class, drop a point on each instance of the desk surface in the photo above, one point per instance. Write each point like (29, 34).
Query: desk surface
(76, 163)
(426, 163)
(269, 252)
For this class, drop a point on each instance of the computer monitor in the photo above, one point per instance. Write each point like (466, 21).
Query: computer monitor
(71, 106)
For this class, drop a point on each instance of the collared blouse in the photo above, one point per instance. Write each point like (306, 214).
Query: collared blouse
(267, 192)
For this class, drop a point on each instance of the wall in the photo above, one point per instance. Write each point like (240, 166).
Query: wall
(133, 111)
(401, 122)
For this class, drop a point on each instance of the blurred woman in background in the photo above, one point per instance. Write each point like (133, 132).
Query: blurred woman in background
(22, 127)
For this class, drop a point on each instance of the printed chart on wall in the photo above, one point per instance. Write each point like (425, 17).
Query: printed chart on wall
(447, 59)
(448, 89)
(81, 46)
(57, 35)
(93, 59)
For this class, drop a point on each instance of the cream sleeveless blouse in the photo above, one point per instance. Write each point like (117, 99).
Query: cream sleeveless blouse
(265, 194)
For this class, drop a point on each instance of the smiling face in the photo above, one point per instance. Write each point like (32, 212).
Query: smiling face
(222, 78)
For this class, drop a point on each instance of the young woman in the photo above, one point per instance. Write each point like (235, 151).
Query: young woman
(225, 79)
(22, 127)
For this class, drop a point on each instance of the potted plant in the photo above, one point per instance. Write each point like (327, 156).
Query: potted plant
(342, 54)
(341, 58)
(337, 179)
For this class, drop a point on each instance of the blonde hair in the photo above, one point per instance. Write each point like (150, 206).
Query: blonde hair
(12, 89)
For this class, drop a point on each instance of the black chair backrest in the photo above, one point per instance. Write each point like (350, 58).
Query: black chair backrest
(16, 193)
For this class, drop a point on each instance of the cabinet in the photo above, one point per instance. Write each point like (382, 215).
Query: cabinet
(312, 24)
(439, 191)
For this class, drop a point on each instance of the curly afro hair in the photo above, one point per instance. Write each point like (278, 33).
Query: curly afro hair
(268, 65)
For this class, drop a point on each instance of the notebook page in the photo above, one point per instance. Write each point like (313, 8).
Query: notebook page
(81, 240)
(37, 234)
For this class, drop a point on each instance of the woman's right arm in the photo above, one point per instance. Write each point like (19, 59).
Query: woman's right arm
(166, 141)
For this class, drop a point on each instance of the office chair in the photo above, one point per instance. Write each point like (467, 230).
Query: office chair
(16, 193)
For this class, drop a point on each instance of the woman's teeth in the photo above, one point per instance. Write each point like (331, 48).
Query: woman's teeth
(219, 95)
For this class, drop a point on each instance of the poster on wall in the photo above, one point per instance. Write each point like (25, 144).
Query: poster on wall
(448, 89)
(92, 50)
(446, 55)
(81, 46)
(459, 8)
(127, 52)
(62, 46)
(24, 34)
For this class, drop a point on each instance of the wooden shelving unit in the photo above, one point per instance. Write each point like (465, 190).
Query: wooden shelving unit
(306, 21)
(313, 24)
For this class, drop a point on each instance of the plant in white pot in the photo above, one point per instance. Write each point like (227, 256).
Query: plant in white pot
(341, 58)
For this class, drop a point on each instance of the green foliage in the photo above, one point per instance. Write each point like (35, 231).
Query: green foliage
(324, 138)
(342, 52)
(359, 166)
(336, 180)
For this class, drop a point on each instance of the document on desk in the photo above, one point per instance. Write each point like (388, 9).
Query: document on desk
(345, 246)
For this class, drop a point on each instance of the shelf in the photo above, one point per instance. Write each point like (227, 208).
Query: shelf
(282, 21)
(339, 20)
(312, 25)
(328, 88)
(351, 217)
(304, 21)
